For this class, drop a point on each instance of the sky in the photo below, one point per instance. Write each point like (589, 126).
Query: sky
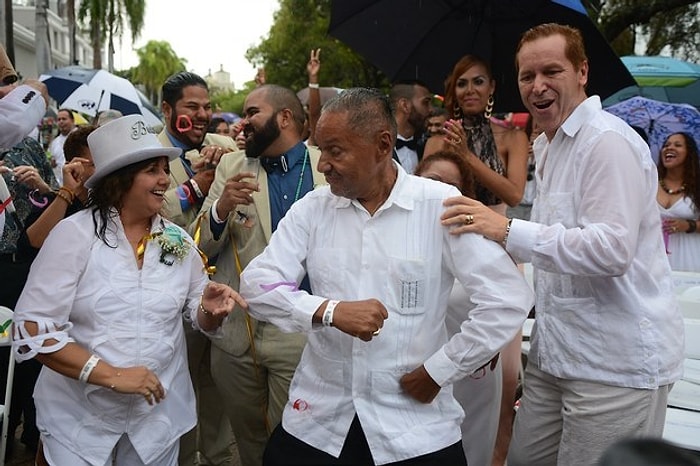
(207, 33)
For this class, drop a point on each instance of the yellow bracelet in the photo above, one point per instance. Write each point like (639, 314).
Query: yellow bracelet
(64, 196)
(204, 311)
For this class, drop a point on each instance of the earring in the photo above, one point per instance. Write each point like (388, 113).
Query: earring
(457, 112)
(489, 107)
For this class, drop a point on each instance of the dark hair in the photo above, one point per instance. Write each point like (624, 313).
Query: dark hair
(405, 89)
(691, 167)
(466, 185)
(369, 111)
(280, 98)
(575, 50)
(462, 65)
(215, 122)
(437, 112)
(76, 141)
(173, 86)
(70, 112)
(108, 193)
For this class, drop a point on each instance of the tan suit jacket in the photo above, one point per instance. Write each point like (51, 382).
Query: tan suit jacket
(249, 241)
(178, 175)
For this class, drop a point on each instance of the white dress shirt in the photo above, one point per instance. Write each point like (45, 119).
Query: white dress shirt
(80, 289)
(407, 157)
(20, 112)
(606, 308)
(403, 257)
(56, 150)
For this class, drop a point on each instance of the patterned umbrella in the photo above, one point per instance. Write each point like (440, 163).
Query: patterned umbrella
(658, 119)
(90, 91)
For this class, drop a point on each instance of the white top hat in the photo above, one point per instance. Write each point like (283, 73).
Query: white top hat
(122, 142)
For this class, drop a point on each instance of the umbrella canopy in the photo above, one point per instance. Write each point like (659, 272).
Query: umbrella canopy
(327, 93)
(90, 91)
(662, 71)
(418, 39)
(658, 119)
(659, 78)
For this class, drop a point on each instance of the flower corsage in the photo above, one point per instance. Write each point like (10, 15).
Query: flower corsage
(172, 244)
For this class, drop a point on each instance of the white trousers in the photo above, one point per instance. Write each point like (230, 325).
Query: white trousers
(123, 455)
(572, 422)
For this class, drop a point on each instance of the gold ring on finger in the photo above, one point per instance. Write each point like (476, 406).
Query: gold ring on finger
(377, 332)
(468, 219)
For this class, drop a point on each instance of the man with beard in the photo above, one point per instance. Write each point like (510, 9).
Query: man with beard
(411, 102)
(254, 363)
(187, 110)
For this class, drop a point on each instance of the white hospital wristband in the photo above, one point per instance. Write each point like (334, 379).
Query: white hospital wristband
(87, 368)
(327, 318)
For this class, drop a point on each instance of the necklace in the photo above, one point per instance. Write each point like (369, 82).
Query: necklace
(662, 183)
(301, 175)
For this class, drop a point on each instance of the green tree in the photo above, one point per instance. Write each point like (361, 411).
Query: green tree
(157, 61)
(105, 19)
(664, 23)
(298, 27)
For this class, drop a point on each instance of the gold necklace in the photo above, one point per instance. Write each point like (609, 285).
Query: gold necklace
(662, 183)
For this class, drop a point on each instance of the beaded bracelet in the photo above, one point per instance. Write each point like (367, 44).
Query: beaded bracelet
(204, 311)
(65, 194)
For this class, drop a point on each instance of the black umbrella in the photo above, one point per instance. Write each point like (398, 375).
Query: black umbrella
(423, 39)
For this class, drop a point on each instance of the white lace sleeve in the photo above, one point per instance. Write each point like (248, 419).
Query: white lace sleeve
(27, 346)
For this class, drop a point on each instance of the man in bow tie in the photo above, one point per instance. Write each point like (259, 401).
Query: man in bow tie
(411, 102)
(254, 363)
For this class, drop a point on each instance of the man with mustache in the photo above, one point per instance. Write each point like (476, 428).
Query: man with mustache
(253, 364)
(411, 102)
(187, 110)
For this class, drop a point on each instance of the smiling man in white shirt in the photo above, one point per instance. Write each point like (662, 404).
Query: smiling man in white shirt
(374, 382)
(608, 339)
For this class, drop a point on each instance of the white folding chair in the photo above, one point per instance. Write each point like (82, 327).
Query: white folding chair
(6, 340)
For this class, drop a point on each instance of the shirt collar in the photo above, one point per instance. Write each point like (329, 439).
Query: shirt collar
(400, 194)
(581, 115)
(176, 142)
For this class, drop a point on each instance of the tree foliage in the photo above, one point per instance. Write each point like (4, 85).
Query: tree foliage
(300, 25)
(157, 61)
(105, 20)
(669, 25)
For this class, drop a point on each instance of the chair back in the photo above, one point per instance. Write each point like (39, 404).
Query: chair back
(5, 326)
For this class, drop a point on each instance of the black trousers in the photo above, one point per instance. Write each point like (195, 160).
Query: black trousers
(283, 449)
(13, 275)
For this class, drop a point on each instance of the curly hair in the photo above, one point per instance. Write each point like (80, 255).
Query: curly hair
(691, 167)
(466, 186)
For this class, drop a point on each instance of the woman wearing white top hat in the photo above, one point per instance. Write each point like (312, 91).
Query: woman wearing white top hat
(103, 311)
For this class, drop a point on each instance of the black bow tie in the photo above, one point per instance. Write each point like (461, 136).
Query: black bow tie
(270, 164)
(411, 144)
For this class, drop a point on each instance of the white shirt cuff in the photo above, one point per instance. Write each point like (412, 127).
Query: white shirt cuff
(213, 213)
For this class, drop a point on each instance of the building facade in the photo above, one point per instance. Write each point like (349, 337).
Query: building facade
(24, 12)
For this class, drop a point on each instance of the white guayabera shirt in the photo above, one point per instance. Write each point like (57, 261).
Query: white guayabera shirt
(606, 308)
(403, 257)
